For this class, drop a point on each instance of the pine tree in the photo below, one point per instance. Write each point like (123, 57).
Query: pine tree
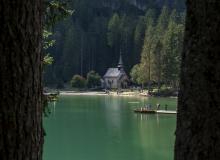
(150, 18)
(70, 53)
(160, 29)
(114, 34)
(21, 99)
(171, 52)
(157, 63)
(127, 27)
(139, 37)
(198, 131)
(147, 52)
(114, 30)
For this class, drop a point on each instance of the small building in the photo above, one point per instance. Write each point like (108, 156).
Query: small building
(116, 78)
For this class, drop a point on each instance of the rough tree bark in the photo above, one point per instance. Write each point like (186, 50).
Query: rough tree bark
(198, 119)
(21, 133)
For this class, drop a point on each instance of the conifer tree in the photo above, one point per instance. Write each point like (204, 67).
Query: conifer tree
(198, 131)
(114, 34)
(147, 51)
(171, 52)
(157, 63)
(163, 21)
(139, 37)
(21, 96)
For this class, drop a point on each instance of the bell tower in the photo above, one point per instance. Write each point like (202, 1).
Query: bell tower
(120, 62)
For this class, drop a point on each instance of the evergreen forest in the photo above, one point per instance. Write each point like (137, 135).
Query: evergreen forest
(148, 33)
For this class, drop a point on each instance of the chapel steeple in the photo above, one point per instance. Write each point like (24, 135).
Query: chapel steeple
(120, 62)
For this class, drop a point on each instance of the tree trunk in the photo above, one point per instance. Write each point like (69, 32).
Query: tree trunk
(21, 133)
(198, 119)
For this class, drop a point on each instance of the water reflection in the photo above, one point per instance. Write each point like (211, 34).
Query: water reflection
(156, 135)
(106, 128)
(54, 108)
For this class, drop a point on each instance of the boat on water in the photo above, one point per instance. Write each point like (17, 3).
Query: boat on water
(151, 111)
(144, 110)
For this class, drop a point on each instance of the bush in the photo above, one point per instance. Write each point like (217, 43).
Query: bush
(93, 79)
(78, 82)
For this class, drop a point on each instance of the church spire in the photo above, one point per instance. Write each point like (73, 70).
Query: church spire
(120, 63)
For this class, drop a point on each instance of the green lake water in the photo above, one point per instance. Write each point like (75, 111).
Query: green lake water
(106, 128)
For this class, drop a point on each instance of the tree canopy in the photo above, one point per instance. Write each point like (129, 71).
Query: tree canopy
(92, 37)
(161, 50)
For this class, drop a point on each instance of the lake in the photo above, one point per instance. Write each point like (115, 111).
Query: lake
(106, 128)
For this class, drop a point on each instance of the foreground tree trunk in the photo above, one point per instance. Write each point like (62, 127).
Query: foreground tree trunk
(198, 119)
(21, 133)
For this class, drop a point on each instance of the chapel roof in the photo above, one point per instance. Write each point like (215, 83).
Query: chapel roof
(114, 73)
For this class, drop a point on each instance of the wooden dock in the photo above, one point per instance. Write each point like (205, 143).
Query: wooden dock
(149, 111)
(166, 112)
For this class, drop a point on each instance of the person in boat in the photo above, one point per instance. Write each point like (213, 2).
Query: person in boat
(166, 107)
(158, 106)
(146, 107)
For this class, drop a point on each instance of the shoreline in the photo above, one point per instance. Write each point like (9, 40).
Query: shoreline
(99, 93)
(111, 93)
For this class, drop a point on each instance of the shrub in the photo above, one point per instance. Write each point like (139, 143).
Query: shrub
(78, 82)
(93, 79)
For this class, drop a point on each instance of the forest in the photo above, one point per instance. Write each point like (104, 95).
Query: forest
(23, 132)
(97, 31)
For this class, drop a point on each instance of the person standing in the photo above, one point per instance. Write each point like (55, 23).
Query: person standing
(158, 106)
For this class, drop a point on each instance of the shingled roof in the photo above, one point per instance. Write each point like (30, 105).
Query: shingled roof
(112, 72)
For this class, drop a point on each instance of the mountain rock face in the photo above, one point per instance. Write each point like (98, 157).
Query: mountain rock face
(144, 4)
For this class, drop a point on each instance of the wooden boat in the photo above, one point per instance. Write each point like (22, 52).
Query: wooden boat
(150, 111)
(143, 110)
